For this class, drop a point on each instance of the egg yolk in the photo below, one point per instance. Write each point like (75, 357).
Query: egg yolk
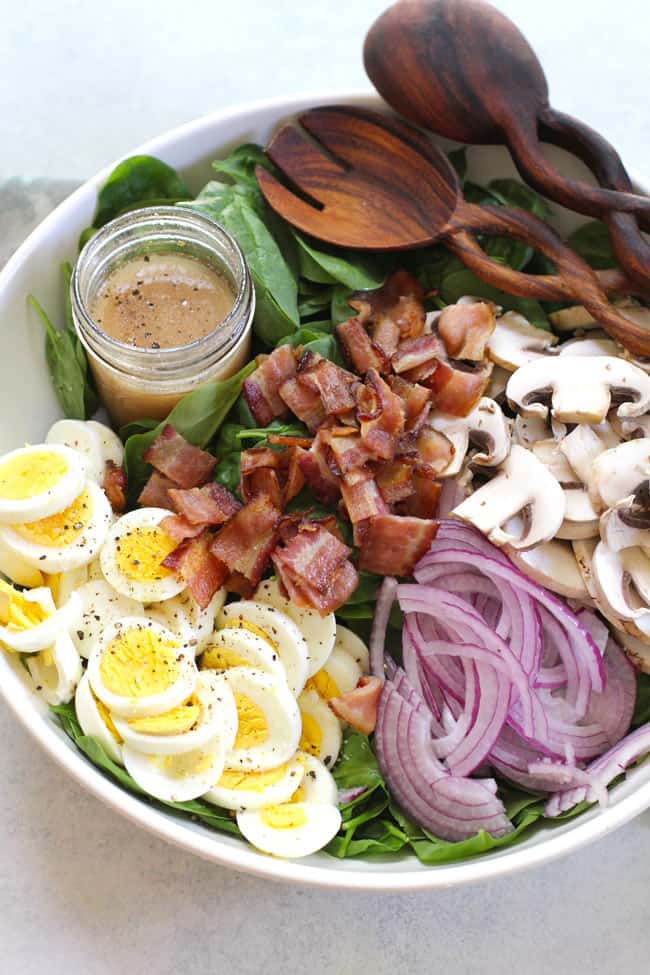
(220, 658)
(137, 663)
(16, 612)
(251, 781)
(252, 728)
(178, 721)
(312, 737)
(30, 474)
(61, 529)
(105, 715)
(140, 552)
(287, 816)
(258, 631)
(323, 684)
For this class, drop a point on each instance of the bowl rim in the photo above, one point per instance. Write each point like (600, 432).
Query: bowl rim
(242, 857)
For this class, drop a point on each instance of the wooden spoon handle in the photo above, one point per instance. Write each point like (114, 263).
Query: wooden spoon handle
(574, 281)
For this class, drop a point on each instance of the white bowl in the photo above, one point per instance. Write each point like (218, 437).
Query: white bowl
(29, 406)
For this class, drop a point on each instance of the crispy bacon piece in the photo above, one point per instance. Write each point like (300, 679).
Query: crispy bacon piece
(211, 504)
(261, 389)
(411, 354)
(386, 335)
(246, 541)
(457, 391)
(155, 493)
(275, 473)
(434, 451)
(179, 460)
(381, 414)
(466, 328)
(359, 707)
(317, 473)
(303, 403)
(359, 347)
(314, 569)
(345, 449)
(202, 573)
(395, 479)
(393, 544)
(416, 399)
(423, 502)
(362, 497)
(399, 300)
(114, 485)
(279, 440)
(334, 385)
(180, 529)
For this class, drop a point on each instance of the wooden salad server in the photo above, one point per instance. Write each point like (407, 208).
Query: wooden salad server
(356, 178)
(462, 69)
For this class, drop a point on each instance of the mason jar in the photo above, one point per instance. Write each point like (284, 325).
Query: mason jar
(135, 382)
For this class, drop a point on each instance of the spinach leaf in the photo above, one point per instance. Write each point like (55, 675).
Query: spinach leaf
(355, 270)
(458, 283)
(137, 426)
(593, 243)
(235, 437)
(642, 707)
(240, 164)
(312, 340)
(197, 417)
(340, 310)
(514, 193)
(138, 181)
(66, 360)
(315, 301)
(357, 764)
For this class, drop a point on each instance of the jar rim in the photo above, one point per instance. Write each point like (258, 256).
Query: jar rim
(172, 215)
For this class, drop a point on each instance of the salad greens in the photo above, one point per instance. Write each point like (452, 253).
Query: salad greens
(593, 243)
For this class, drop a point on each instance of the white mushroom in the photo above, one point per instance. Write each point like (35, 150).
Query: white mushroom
(595, 344)
(584, 444)
(580, 519)
(485, 426)
(522, 484)
(580, 389)
(515, 341)
(569, 319)
(616, 597)
(496, 388)
(635, 428)
(618, 472)
(635, 649)
(618, 533)
(584, 549)
(528, 430)
(554, 565)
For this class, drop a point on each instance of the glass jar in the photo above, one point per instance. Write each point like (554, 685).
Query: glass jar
(138, 382)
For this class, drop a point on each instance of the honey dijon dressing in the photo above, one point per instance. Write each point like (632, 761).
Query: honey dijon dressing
(162, 301)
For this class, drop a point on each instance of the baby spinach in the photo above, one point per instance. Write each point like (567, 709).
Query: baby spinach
(235, 437)
(313, 340)
(340, 309)
(66, 360)
(593, 243)
(239, 165)
(328, 265)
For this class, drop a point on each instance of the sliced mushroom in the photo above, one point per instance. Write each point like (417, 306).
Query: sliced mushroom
(580, 389)
(529, 430)
(522, 484)
(584, 444)
(622, 527)
(496, 388)
(515, 341)
(615, 595)
(633, 429)
(584, 549)
(485, 426)
(569, 319)
(554, 566)
(617, 473)
(594, 344)
(580, 518)
(635, 649)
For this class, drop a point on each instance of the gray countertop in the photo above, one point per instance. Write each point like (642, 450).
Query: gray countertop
(82, 890)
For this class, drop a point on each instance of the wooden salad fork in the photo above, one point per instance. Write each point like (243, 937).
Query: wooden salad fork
(357, 178)
(462, 69)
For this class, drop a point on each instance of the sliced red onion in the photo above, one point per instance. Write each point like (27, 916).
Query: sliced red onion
(349, 795)
(385, 600)
(451, 496)
(614, 708)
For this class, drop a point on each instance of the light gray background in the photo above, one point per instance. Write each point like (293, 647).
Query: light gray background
(81, 890)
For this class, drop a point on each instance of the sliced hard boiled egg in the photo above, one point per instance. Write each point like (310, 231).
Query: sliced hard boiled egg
(278, 630)
(16, 568)
(321, 734)
(80, 436)
(38, 481)
(66, 540)
(293, 829)
(209, 712)
(63, 584)
(317, 784)
(56, 671)
(100, 605)
(176, 778)
(139, 669)
(201, 620)
(318, 631)
(238, 789)
(111, 445)
(340, 675)
(133, 553)
(95, 720)
(177, 621)
(29, 621)
(354, 646)
(268, 720)
(236, 647)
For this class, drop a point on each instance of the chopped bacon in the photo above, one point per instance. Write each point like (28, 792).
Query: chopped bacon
(415, 353)
(399, 300)
(359, 347)
(393, 544)
(435, 452)
(202, 573)
(317, 473)
(294, 479)
(334, 385)
(155, 493)
(245, 542)
(417, 399)
(346, 451)
(466, 328)
(386, 335)
(180, 529)
(279, 440)
(173, 456)
(275, 473)
(361, 497)
(211, 504)
(303, 403)
(381, 414)
(114, 485)
(423, 502)
(359, 707)
(261, 389)
(395, 480)
(457, 391)
(314, 569)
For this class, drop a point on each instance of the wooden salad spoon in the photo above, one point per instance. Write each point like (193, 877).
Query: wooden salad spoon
(356, 178)
(462, 69)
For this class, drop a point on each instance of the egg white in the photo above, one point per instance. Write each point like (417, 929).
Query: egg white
(17, 569)
(343, 670)
(315, 708)
(251, 798)
(322, 822)
(281, 632)
(318, 783)
(111, 445)
(353, 645)
(63, 584)
(51, 500)
(251, 648)
(80, 436)
(281, 716)
(100, 605)
(56, 671)
(176, 778)
(143, 590)
(43, 634)
(92, 723)
(319, 632)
